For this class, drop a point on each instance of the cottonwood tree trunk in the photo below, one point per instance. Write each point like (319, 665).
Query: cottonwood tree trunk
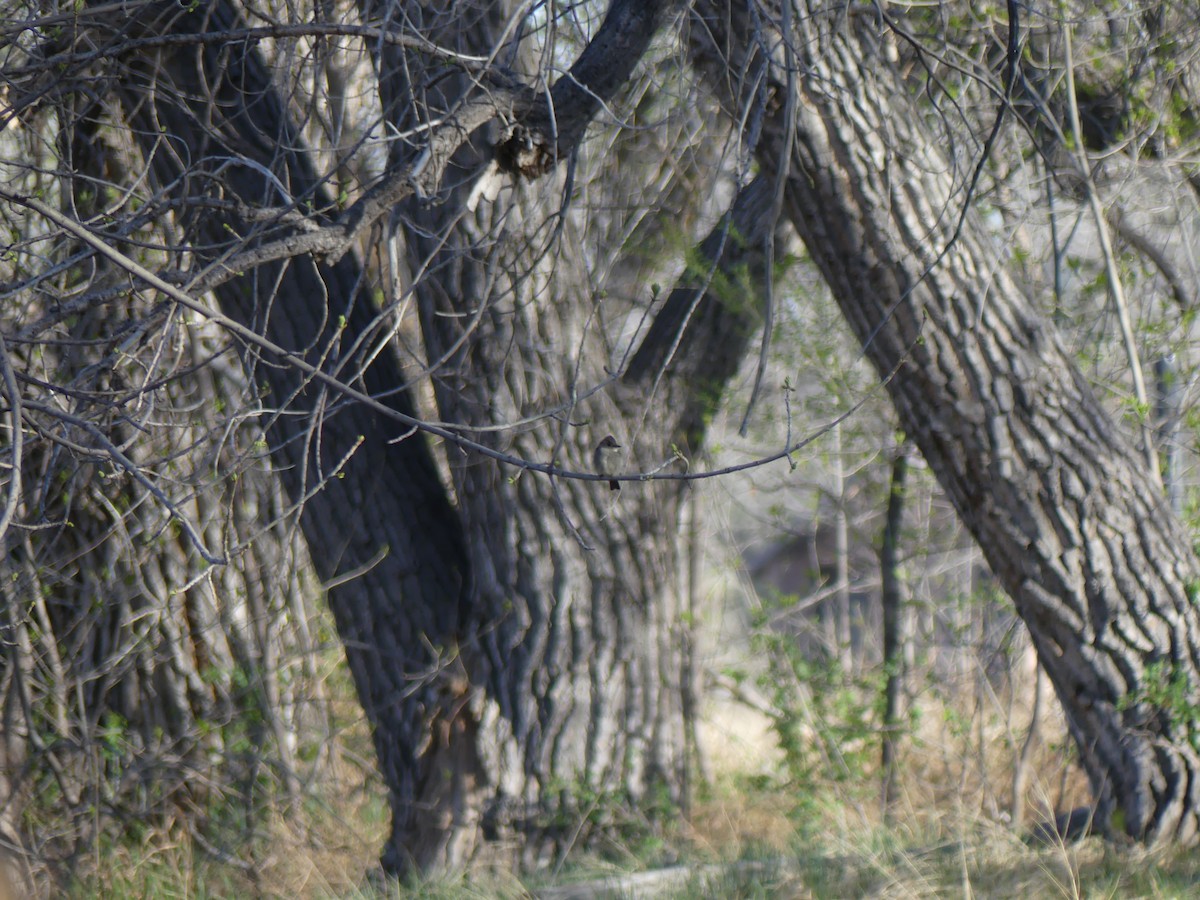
(573, 633)
(574, 630)
(517, 652)
(133, 675)
(118, 637)
(1064, 508)
(375, 515)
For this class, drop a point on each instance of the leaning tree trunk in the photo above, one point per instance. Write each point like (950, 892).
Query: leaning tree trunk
(374, 513)
(1065, 510)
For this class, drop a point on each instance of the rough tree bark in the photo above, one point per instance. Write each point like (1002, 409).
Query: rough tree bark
(1071, 521)
(573, 634)
(373, 504)
(113, 632)
(504, 666)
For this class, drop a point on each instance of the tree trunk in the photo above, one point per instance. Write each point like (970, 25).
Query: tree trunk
(132, 673)
(574, 635)
(518, 654)
(891, 598)
(1072, 523)
(374, 512)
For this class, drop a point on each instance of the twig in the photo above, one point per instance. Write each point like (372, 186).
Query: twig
(1115, 289)
(133, 469)
(1154, 253)
(14, 412)
(781, 180)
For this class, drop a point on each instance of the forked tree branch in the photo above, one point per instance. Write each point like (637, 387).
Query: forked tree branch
(446, 433)
(549, 126)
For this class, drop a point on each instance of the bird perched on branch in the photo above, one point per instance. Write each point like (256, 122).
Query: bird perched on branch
(607, 459)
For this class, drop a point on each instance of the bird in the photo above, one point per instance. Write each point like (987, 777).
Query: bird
(606, 459)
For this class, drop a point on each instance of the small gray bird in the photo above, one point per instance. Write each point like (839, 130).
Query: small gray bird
(607, 459)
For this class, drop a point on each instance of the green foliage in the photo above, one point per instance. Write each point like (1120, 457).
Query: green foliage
(1166, 688)
(827, 720)
(622, 825)
(1193, 592)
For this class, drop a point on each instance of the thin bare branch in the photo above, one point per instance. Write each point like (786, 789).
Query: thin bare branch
(14, 417)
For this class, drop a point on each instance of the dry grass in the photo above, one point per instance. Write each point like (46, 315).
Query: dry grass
(944, 840)
(947, 837)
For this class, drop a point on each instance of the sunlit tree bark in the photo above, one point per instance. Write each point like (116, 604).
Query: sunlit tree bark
(514, 640)
(1070, 517)
(507, 315)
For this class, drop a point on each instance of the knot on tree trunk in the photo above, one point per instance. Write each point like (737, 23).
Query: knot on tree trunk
(527, 151)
